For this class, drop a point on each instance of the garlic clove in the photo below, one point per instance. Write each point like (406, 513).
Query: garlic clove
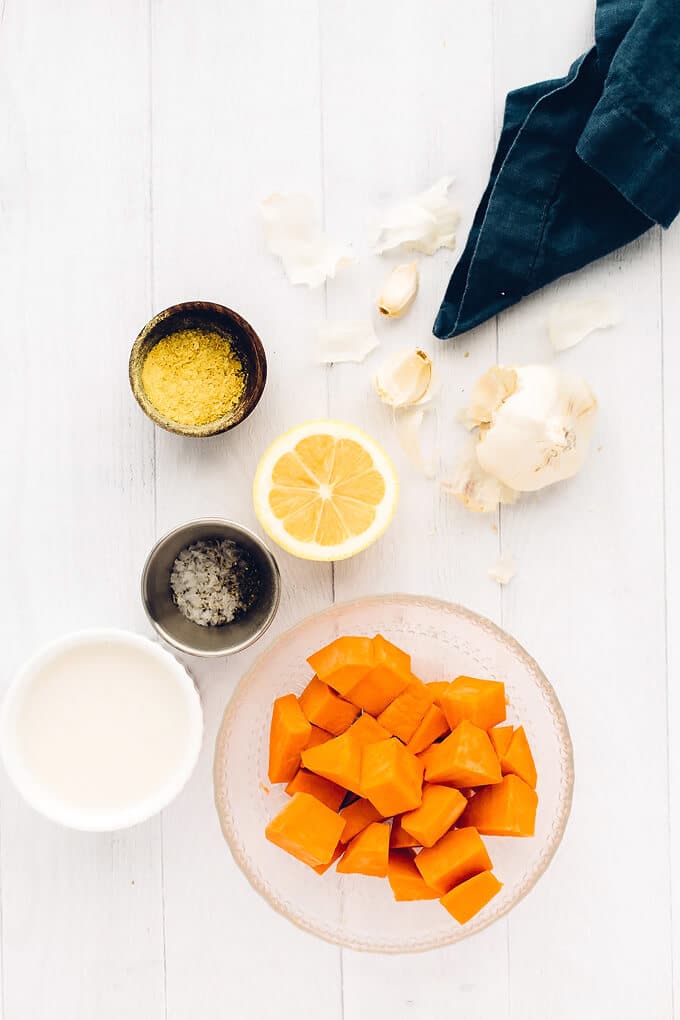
(399, 291)
(345, 341)
(541, 432)
(475, 488)
(406, 379)
(423, 222)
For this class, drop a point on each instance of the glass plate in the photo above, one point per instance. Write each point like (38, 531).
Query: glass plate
(444, 640)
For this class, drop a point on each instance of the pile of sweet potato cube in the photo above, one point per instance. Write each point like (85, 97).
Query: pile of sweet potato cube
(396, 778)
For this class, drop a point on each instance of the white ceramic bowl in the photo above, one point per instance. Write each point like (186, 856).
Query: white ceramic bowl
(444, 640)
(161, 789)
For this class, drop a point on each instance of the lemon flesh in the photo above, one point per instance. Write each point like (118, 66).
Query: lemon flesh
(325, 491)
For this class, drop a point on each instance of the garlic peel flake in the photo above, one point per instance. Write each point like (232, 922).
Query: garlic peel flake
(406, 379)
(489, 393)
(345, 341)
(399, 291)
(293, 233)
(423, 222)
(474, 488)
(503, 570)
(571, 321)
(409, 424)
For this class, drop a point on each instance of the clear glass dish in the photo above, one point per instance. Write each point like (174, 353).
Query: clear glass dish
(444, 640)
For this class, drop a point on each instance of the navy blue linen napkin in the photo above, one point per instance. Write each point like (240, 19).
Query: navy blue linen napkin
(584, 164)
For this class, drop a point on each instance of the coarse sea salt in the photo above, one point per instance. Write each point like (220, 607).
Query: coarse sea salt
(214, 581)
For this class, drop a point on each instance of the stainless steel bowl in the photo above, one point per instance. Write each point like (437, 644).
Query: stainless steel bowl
(189, 637)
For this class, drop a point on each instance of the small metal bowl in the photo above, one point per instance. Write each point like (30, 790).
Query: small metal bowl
(181, 633)
(212, 318)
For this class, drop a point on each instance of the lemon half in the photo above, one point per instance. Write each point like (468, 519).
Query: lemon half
(325, 490)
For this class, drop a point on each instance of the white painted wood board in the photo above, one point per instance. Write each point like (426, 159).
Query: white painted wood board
(136, 140)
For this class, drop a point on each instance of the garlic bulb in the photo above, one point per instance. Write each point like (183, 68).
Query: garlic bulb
(405, 379)
(535, 428)
(399, 291)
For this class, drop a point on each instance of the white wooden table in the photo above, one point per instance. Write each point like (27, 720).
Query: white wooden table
(136, 139)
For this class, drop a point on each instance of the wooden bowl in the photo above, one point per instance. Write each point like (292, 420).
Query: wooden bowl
(212, 318)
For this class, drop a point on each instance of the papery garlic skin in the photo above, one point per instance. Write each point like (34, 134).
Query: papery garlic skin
(337, 342)
(571, 321)
(399, 291)
(423, 222)
(293, 232)
(503, 570)
(474, 488)
(408, 424)
(489, 393)
(540, 433)
(406, 379)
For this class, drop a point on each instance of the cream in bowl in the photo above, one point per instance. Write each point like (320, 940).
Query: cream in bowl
(101, 730)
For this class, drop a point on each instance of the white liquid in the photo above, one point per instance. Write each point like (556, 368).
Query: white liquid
(103, 726)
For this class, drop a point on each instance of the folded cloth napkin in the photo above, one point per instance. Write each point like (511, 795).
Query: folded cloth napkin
(584, 164)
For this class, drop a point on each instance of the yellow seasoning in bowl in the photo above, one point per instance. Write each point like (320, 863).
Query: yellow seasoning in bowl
(193, 377)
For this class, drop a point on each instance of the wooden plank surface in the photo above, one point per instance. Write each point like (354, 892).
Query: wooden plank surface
(81, 914)
(137, 139)
(589, 602)
(227, 953)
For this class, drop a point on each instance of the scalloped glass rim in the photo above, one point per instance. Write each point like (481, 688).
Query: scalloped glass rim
(230, 800)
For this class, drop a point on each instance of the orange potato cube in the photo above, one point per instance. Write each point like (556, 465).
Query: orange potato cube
(468, 898)
(388, 654)
(518, 758)
(307, 829)
(356, 817)
(367, 731)
(390, 675)
(507, 809)
(406, 881)
(433, 725)
(368, 852)
(441, 808)
(427, 755)
(339, 760)
(321, 869)
(457, 856)
(288, 735)
(325, 708)
(403, 716)
(391, 777)
(481, 702)
(324, 790)
(378, 689)
(318, 736)
(400, 838)
(343, 662)
(465, 758)
(438, 688)
(500, 738)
